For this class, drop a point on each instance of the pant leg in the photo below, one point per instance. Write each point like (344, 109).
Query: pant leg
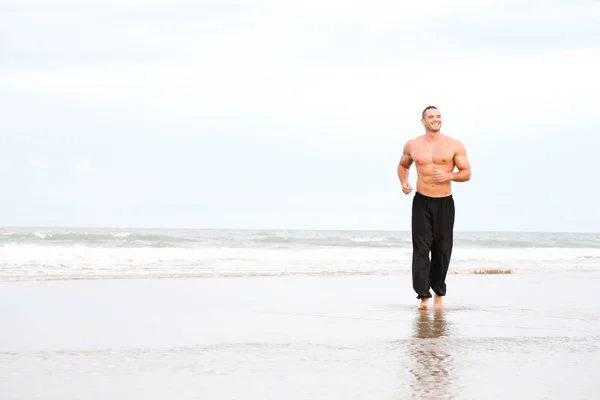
(441, 249)
(422, 236)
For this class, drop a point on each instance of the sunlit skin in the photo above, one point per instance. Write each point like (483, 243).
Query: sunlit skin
(439, 160)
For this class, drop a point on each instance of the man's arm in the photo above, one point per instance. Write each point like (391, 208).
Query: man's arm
(462, 163)
(404, 164)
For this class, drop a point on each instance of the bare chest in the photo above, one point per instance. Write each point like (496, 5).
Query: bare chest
(439, 155)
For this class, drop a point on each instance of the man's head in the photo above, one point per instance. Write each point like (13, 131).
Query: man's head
(431, 119)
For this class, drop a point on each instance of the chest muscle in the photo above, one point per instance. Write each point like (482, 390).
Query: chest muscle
(438, 156)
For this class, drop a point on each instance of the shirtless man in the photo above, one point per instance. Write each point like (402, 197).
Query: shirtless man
(436, 156)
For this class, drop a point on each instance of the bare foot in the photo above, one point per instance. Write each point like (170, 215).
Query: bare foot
(424, 302)
(438, 301)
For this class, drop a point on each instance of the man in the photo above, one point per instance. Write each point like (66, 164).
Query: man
(436, 156)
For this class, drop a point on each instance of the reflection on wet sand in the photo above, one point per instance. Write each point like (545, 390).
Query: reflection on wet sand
(432, 369)
(426, 327)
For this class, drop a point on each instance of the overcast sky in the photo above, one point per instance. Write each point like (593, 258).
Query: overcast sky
(293, 114)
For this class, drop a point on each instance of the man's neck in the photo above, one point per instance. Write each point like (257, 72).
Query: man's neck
(430, 135)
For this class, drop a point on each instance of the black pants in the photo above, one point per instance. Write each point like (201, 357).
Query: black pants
(432, 231)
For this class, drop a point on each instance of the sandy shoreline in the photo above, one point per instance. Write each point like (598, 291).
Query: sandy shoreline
(300, 337)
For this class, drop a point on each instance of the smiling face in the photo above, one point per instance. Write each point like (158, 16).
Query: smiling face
(432, 119)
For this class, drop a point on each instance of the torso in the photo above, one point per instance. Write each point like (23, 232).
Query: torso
(429, 155)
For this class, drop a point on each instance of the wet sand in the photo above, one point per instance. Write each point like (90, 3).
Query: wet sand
(516, 336)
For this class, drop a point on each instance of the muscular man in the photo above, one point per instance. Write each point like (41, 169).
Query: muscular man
(436, 156)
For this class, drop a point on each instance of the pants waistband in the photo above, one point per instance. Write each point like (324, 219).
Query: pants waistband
(433, 198)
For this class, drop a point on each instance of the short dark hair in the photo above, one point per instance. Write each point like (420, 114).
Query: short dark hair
(427, 108)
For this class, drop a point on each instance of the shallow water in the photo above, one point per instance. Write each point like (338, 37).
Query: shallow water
(300, 338)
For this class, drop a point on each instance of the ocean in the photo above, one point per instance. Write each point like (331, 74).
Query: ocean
(69, 254)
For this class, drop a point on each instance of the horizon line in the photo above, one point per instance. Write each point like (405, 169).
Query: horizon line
(79, 227)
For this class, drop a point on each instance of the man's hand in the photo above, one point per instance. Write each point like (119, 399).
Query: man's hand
(406, 188)
(441, 176)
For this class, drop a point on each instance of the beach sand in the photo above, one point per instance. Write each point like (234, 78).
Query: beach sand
(533, 336)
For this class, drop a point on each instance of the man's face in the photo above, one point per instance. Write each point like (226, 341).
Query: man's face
(432, 120)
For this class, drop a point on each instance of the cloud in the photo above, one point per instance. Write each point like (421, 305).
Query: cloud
(262, 39)
(42, 164)
(387, 11)
(36, 162)
(82, 165)
(123, 5)
(267, 34)
(514, 27)
(467, 83)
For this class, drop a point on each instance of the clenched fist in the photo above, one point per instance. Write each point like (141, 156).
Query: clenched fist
(441, 176)
(406, 188)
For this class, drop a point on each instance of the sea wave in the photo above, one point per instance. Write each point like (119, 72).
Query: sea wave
(122, 238)
(27, 261)
(284, 239)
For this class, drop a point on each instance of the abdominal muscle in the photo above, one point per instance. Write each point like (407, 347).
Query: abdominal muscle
(428, 186)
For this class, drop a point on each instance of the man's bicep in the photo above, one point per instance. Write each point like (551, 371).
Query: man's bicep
(406, 160)
(460, 158)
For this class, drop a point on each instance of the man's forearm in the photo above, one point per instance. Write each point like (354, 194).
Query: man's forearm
(461, 176)
(402, 173)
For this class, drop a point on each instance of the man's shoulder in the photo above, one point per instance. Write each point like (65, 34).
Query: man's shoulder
(414, 140)
(455, 142)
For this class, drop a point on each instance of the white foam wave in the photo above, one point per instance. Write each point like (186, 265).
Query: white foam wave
(121, 234)
(369, 240)
(19, 262)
